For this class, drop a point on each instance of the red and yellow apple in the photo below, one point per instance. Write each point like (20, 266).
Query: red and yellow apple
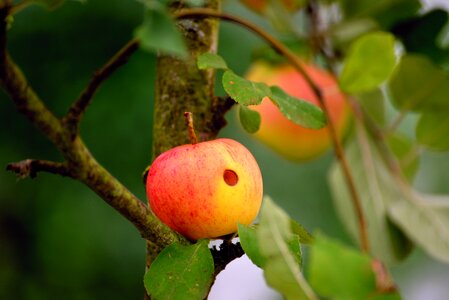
(204, 190)
(290, 140)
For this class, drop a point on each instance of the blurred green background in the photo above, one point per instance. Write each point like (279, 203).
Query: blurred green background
(57, 238)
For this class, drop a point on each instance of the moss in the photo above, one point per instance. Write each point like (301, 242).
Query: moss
(181, 86)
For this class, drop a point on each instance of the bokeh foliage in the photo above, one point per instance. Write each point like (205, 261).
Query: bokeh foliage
(58, 240)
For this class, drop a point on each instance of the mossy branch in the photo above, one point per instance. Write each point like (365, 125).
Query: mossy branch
(30, 168)
(181, 86)
(79, 163)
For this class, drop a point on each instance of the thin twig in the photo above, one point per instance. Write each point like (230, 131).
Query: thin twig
(277, 45)
(190, 128)
(384, 282)
(392, 164)
(378, 134)
(23, 96)
(28, 102)
(339, 152)
(30, 168)
(82, 165)
(395, 123)
(78, 108)
(296, 62)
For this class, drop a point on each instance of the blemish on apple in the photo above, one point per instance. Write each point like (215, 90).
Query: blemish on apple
(217, 185)
(230, 177)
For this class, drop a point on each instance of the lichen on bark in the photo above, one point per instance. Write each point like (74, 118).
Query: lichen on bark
(181, 86)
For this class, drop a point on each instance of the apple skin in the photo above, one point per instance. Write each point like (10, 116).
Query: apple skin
(290, 140)
(192, 188)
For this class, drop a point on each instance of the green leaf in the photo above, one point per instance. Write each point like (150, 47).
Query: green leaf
(158, 32)
(376, 189)
(339, 272)
(211, 61)
(418, 85)
(425, 219)
(419, 35)
(433, 130)
(294, 245)
(370, 62)
(243, 91)
(181, 272)
(250, 244)
(406, 153)
(281, 270)
(304, 236)
(250, 119)
(298, 111)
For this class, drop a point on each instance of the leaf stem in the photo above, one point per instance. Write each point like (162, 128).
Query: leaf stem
(339, 152)
(190, 128)
(395, 123)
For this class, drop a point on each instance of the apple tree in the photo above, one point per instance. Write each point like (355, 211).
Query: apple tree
(387, 61)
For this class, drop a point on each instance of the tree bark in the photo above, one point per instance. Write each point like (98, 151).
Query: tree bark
(181, 86)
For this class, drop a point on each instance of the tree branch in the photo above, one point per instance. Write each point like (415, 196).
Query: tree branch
(83, 166)
(30, 168)
(221, 107)
(28, 103)
(79, 162)
(395, 123)
(338, 148)
(78, 108)
(296, 62)
(194, 92)
(181, 86)
(225, 253)
(384, 282)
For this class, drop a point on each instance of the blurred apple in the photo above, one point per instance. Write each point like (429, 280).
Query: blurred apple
(204, 190)
(290, 140)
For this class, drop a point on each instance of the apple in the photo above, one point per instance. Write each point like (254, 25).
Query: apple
(204, 190)
(290, 140)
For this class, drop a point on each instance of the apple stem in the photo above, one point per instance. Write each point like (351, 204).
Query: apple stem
(190, 128)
